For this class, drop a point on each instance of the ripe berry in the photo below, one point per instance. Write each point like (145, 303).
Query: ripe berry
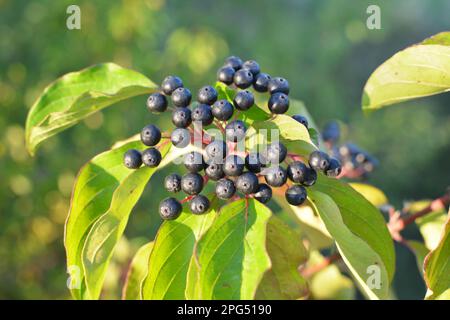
(157, 102)
(247, 183)
(275, 176)
(222, 110)
(214, 171)
(151, 157)
(334, 168)
(172, 182)
(243, 100)
(181, 97)
(303, 120)
(331, 132)
(233, 165)
(310, 177)
(297, 171)
(180, 137)
(276, 153)
(207, 95)
(181, 117)
(235, 130)
(132, 159)
(233, 62)
(225, 75)
(243, 78)
(319, 160)
(199, 204)
(278, 103)
(203, 113)
(254, 161)
(150, 135)
(193, 162)
(170, 209)
(225, 189)
(263, 193)
(278, 84)
(252, 66)
(261, 82)
(216, 151)
(170, 84)
(192, 183)
(295, 195)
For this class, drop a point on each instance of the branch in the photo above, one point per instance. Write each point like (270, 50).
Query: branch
(310, 271)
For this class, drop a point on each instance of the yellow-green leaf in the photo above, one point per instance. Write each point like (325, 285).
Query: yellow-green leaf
(417, 71)
(374, 195)
(136, 273)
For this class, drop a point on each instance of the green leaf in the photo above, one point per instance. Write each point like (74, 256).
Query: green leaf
(360, 234)
(136, 273)
(109, 227)
(231, 258)
(77, 95)
(437, 266)
(329, 283)
(169, 262)
(418, 71)
(374, 195)
(287, 252)
(430, 225)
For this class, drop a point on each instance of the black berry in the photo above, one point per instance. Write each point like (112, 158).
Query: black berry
(233, 62)
(192, 183)
(170, 84)
(278, 103)
(275, 176)
(199, 204)
(243, 100)
(319, 160)
(225, 189)
(132, 159)
(222, 110)
(181, 117)
(252, 66)
(151, 157)
(247, 183)
(278, 84)
(310, 177)
(180, 137)
(243, 78)
(297, 171)
(276, 153)
(181, 97)
(150, 135)
(303, 120)
(331, 132)
(202, 113)
(207, 95)
(216, 151)
(263, 193)
(172, 182)
(193, 162)
(225, 75)
(157, 102)
(254, 162)
(235, 131)
(215, 171)
(233, 165)
(261, 82)
(295, 195)
(334, 168)
(170, 209)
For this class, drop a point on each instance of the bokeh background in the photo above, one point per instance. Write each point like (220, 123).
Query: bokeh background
(322, 47)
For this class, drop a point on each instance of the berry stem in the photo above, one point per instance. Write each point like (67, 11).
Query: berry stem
(188, 198)
(310, 271)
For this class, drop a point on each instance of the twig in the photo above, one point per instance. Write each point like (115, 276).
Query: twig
(308, 272)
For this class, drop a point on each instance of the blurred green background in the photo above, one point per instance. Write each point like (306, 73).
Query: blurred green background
(322, 47)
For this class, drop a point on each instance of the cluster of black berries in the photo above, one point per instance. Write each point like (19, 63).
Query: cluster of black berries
(357, 162)
(232, 171)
